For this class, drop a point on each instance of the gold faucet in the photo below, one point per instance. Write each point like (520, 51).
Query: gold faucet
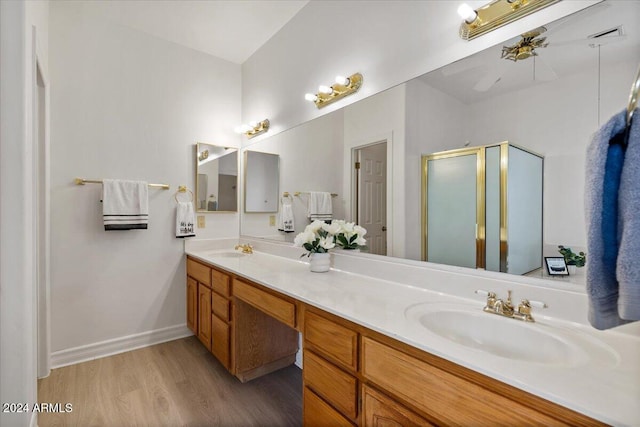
(246, 249)
(497, 306)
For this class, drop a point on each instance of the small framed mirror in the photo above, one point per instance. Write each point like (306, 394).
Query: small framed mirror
(216, 178)
(262, 181)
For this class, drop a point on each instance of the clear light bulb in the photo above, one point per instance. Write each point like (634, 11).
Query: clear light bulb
(342, 80)
(310, 97)
(467, 13)
(325, 89)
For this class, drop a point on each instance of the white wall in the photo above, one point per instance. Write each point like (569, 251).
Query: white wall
(377, 118)
(126, 105)
(317, 167)
(435, 122)
(389, 42)
(19, 23)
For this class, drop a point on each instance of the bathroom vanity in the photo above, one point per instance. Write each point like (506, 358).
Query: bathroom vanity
(367, 359)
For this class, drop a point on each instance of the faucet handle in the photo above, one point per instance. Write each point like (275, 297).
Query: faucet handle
(491, 299)
(484, 293)
(537, 304)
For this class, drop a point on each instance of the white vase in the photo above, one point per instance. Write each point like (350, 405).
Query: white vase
(320, 262)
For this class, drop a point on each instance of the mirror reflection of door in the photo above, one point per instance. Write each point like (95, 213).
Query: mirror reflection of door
(371, 194)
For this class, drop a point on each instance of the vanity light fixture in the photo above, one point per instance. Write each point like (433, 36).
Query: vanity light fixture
(342, 87)
(253, 128)
(496, 14)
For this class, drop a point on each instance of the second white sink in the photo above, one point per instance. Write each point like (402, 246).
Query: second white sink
(508, 338)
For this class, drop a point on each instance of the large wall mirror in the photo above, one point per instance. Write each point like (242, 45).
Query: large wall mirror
(550, 103)
(216, 178)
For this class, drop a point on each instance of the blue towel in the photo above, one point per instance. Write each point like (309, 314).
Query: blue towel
(628, 264)
(603, 166)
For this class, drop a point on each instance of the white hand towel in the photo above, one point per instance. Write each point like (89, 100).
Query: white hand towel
(320, 206)
(285, 219)
(185, 220)
(125, 204)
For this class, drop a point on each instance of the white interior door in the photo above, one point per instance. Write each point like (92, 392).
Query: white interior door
(372, 195)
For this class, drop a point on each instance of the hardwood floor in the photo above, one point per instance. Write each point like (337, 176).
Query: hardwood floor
(178, 383)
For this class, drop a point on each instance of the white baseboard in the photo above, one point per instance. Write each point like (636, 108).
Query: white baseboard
(97, 350)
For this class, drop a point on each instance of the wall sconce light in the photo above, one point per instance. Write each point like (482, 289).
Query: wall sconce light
(253, 128)
(343, 86)
(495, 15)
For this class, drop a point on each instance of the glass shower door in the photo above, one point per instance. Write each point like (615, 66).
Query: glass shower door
(454, 221)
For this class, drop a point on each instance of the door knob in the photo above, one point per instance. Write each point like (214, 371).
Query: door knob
(384, 228)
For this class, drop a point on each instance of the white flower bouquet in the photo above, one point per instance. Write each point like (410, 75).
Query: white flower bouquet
(320, 237)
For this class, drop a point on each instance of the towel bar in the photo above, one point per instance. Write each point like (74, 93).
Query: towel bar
(82, 181)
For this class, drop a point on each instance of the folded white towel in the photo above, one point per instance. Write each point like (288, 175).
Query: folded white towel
(320, 206)
(185, 220)
(285, 217)
(125, 204)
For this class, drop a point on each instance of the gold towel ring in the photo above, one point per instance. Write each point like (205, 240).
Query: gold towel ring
(183, 189)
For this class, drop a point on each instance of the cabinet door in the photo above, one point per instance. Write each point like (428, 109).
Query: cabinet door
(192, 305)
(318, 413)
(380, 411)
(220, 344)
(204, 315)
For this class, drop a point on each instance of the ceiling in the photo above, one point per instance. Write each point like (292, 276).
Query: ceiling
(568, 52)
(229, 29)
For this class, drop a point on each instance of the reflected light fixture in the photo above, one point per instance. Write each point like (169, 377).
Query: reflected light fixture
(253, 128)
(343, 86)
(496, 14)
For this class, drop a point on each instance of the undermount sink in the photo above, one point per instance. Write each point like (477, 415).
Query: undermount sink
(227, 254)
(511, 339)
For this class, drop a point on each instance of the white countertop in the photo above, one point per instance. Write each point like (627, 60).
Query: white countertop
(605, 387)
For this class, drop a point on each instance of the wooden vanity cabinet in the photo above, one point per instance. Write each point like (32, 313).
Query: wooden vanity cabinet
(352, 376)
(199, 313)
(247, 327)
(362, 377)
(330, 373)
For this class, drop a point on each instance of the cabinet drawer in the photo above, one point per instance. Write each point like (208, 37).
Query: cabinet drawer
(220, 283)
(198, 271)
(220, 342)
(274, 306)
(332, 383)
(317, 413)
(331, 339)
(221, 307)
(380, 410)
(438, 393)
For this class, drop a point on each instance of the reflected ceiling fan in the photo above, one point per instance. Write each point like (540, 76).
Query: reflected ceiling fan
(528, 46)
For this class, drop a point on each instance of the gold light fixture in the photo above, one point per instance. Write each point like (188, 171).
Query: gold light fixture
(253, 128)
(496, 14)
(344, 86)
